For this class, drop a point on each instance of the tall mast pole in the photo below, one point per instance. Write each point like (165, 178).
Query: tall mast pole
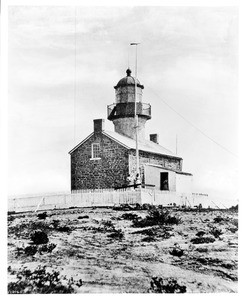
(135, 113)
(176, 144)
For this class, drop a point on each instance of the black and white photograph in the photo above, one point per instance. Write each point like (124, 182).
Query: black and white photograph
(123, 148)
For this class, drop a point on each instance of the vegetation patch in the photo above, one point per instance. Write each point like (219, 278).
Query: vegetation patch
(83, 217)
(39, 237)
(107, 224)
(123, 207)
(235, 222)
(149, 239)
(23, 229)
(42, 216)
(63, 228)
(157, 217)
(200, 233)
(203, 240)
(166, 285)
(216, 232)
(47, 248)
(41, 282)
(233, 229)
(130, 216)
(219, 219)
(11, 218)
(116, 234)
(234, 208)
(30, 250)
(177, 251)
(33, 249)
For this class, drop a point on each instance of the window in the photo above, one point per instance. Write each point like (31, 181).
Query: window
(95, 151)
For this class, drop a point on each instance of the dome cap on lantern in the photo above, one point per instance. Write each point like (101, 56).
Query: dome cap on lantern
(128, 81)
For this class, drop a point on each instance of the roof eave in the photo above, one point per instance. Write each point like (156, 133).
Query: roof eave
(82, 142)
(161, 154)
(161, 167)
(117, 141)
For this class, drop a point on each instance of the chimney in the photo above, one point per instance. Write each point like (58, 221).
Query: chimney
(98, 125)
(154, 138)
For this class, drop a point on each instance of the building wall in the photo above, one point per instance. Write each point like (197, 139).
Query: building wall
(126, 126)
(152, 176)
(109, 171)
(152, 158)
(184, 183)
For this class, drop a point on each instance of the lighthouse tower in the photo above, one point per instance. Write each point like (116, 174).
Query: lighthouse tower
(122, 112)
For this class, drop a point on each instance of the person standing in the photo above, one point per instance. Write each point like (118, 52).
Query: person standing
(137, 180)
(165, 185)
(129, 180)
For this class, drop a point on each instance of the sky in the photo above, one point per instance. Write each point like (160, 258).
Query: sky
(187, 60)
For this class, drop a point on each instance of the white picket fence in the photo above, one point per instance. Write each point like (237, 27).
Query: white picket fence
(101, 198)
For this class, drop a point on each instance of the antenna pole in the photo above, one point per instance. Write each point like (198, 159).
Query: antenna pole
(128, 57)
(135, 113)
(75, 71)
(176, 144)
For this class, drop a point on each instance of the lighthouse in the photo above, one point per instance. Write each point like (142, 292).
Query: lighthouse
(105, 158)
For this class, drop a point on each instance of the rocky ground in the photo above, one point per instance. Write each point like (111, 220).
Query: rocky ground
(102, 250)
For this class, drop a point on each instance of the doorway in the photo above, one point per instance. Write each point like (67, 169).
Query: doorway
(164, 181)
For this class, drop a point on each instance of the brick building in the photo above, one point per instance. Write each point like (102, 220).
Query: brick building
(104, 159)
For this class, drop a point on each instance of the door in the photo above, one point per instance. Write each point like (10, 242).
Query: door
(164, 181)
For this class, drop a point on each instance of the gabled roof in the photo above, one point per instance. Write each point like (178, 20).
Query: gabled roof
(129, 143)
(146, 145)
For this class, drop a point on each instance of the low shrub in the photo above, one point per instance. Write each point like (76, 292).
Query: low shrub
(216, 232)
(47, 248)
(148, 239)
(30, 250)
(42, 216)
(42, 282)
(234, 208)
(39, 237)
(200, 233)
(137, 206)
(107, 223)
(123, 207)
(235, 222)
(116, 234)
(23, 229)
(202, 250)
(55, 223)
(130, 216)
(33, 249)
(176, 251)
(166, 285)
(233, 229)
(212, 261)
(202, 240)
(146, 206)
(11, 218)
(157, 217)
(218, 219)
(83, 217)
(63, 228)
